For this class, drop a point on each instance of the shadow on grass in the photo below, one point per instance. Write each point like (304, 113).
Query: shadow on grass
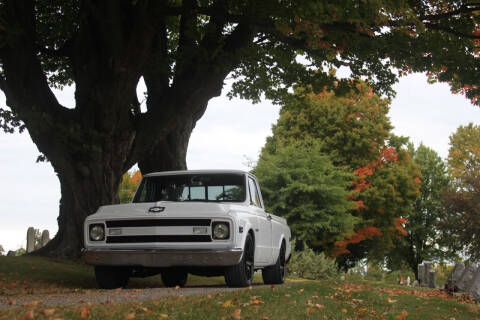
(33, 274)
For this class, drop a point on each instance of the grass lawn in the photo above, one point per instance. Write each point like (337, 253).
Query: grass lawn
(294, 300)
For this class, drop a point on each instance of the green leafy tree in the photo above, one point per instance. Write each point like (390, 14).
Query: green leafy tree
(354, 131)
(464, 153)
(301, 184)
(353, 127)
(2, 251)
(423, 240)
(184, 50)
(461, 227)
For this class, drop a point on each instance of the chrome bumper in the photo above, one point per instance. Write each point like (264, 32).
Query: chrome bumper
(163, 258)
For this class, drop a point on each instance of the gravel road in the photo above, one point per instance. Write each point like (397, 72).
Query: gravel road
(96, 296)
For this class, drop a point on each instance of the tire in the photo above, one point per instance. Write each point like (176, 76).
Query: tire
(241, 274)
(276, 274)
(172, 278)
(112, 277)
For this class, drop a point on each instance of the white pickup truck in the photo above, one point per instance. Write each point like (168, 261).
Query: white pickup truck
(204, 222)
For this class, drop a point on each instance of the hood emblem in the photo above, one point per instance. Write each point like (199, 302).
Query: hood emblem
(156, 209)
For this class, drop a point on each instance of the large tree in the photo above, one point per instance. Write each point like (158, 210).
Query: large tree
(353, 130)
(423, 240)
(184, 50)
(301, 183)
(461, 228)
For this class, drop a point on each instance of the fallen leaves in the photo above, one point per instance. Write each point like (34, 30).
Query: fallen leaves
(146, 310)
(227, 304)
(351, 287)
(402, 315)
(84, 312)
(130, 316)
(47, 312)
(256, 302)
(236, 314)
(32, 304)
(28, 315)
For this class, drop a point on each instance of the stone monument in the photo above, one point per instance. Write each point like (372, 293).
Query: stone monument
(467, 276)
(45, 237)
(30, 239)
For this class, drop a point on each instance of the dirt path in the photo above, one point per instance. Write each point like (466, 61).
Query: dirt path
(96, 296)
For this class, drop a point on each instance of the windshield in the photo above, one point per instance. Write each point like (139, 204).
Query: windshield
(192, 187)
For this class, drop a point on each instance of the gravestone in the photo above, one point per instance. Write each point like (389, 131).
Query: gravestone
(427, 266)
(455, 275)
(432, 279)
(30, 239)
(467, 277)
(421, 274)
(474, 289)
(45, 237)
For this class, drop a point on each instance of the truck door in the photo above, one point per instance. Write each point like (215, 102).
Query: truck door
(263, 235)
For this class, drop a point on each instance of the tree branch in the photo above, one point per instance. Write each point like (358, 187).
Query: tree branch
(438, 27)
(157, 69)
(25, 84)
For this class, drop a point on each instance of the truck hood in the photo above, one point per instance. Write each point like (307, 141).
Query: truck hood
(169, 209)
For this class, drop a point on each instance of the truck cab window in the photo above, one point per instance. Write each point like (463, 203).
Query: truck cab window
(254, 196)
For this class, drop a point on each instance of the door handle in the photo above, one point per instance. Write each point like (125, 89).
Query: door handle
(269, 217)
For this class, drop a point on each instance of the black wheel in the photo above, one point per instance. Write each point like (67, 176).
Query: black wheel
(276, 274)
(241, 274)
(112, 277)
(172, 278)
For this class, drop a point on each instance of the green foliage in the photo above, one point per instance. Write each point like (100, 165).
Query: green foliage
(461, 227)
(2, 251)
(352, 127)
(394, 277)
(423, 240)
(20, 252)
(301, 184)
(464, 153)
(308, 264)
(349, 134)
(375, 272)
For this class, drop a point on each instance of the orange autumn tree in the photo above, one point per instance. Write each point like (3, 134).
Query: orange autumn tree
(129, 185)
(386, 189)
(354, 131)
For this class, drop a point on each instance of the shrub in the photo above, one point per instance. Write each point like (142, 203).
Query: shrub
(308, 264)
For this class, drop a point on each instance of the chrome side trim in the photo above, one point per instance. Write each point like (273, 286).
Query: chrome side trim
(163, 258)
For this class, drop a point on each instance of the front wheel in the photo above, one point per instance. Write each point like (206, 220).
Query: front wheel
(276, 274)
(173, 278)
(112, 277)
(241, 274)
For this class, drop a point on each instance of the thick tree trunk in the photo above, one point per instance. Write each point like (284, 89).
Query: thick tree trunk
(83, 190)
(170, 152)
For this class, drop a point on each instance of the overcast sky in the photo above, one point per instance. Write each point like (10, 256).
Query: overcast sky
(230, 132)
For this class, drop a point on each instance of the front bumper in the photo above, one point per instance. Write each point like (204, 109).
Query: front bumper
(164, 258)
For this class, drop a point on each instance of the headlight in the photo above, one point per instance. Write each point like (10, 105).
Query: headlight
(221, 230)
(97, 232)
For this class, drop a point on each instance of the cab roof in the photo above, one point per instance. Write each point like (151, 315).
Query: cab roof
(179, 172)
